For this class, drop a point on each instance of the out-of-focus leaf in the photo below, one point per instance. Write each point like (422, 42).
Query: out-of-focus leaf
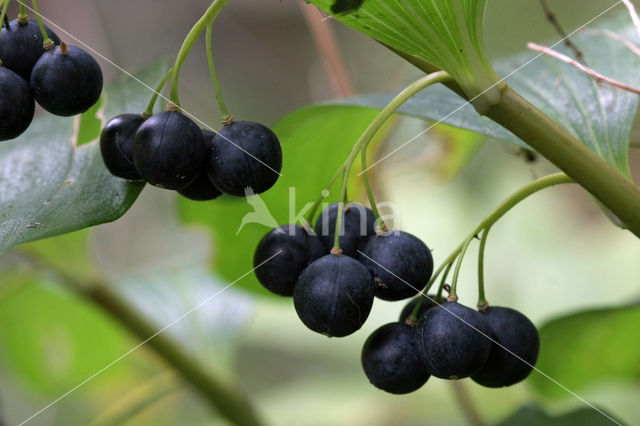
(586, 348)
(315, 142)
(532, 415)
(50, 186)
(597, 114)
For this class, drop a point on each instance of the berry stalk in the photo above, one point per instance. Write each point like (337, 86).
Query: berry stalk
(226, 118)
(323, 195)
(3, 14)
(209, 16)
(376, 124)
(22, 14)
(46, 41)
(501, 210)
(482, 300)
(148, 112)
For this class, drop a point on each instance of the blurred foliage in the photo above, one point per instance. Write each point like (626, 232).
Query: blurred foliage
(534, 416)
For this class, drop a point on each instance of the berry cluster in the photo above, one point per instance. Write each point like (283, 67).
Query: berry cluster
(333, 292)
(169, 150)
(64, 80)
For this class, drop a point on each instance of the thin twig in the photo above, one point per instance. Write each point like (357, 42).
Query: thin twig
(634, 15)
(594, 74)
(551, 17)
(463, 398)
(329, 50)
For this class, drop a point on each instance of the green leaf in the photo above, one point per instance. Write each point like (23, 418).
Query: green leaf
(448, 34)
(598, 115)
(315, 142)
(587, 348)
(532, 415)
(50, 186)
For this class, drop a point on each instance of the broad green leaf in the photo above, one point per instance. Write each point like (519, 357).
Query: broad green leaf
(448, 34)
(50, 186)
(597, 114)
(315, 142)
(587, 348)
(532, 415)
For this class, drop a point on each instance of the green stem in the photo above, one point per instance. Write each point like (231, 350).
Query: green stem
(482, 300)
(343, 194)
(46, 41)
(376, 124)
(209, 16)
(414, 314)
(229, 400)
(2, 15)
(148, 112)
(314, 208)
(22, 15)
(226, 117)
(508, 204)
(372, 200)
(453, 296)
(555, 143)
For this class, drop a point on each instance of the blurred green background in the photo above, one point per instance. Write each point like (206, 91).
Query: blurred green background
(554, 255)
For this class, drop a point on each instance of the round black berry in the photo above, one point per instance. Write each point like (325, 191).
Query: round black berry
(116, 145)
(453, 341)
(428, 303)
(358, 224)
(400, 263)
(390, 359)
(282, 255)
(169, 150)
(21, 46)
(513, 331)
(202, 189)
(16, 104)
(246, 156)
(334, 295)
(66, 80)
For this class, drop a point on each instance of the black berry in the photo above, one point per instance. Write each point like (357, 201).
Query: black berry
(390, 359)
(334, 295)
(21, 46)
(116, 145)
(513, 331)
(400, 263)
(202, 189)
(169, 150)
(66, 80)
(290, 249)
(245, 155)
(16, 104)
(453, 341)
(358, 224)
(428, 303)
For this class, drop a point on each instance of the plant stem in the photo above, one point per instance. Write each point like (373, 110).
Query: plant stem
(501, 210)
(230, 401)
(463, 398)
(148, 112)
(22, 15)
(209, 16)
(46, 41)
(372, 200)
(316, 205)
(376, 124)
(555, 143)
(453, 296)
(226, 117)
(482, 300)
(2, 16)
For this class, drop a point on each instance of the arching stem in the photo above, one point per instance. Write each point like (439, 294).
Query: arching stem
(148, 112)
(482, 300)
(225, 116)
(47, 43)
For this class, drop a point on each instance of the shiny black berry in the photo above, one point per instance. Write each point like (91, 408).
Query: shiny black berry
(282, 255)
(169, 150)
(245, 156)
(334, 295)
(400, 263)
(21, 46)
(116, 145)
(66, 80)
(202, 189)
(390, 359)
(428, 303)
(516, 352)
(453, 341)
(358, 224)
(16, 104)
